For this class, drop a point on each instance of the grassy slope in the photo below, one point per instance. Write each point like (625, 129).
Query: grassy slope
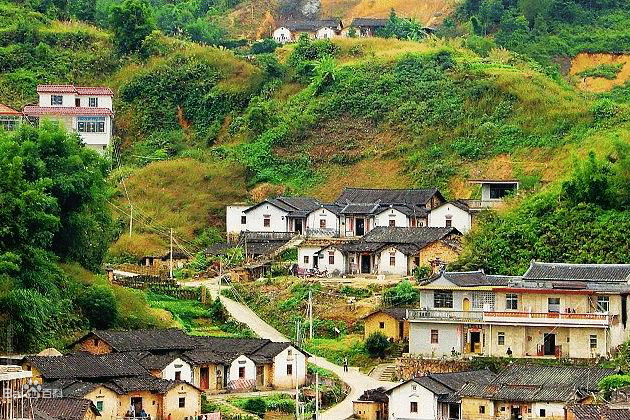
(429, 12)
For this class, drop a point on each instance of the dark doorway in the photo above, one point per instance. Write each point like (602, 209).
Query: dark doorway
(475, 342)
(315, 260)
(549, 344)
(260, 375)
(77, 102)
(401, 329)
(360, 230)
(365, 264)
(204, 380)
(136, 403)
(298, 226)
(453, 411)
(516, 413)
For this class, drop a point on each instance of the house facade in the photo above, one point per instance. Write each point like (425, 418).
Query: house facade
(367, 27)
(552, 311)
(391, 322)
(87, 111)
(455, 213)
(10, 119)
(316, 29)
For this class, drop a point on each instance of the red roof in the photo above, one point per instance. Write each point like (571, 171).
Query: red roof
(5, 110)
(36, 111)
(80, 90)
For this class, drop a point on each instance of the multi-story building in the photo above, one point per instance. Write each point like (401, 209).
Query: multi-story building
(14, 383)
(553, 310)
(85, 110)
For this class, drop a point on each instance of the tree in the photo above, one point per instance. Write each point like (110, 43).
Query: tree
(377, 344)
(403, 293)
(98, 305)
(592, 182)
(131, 22)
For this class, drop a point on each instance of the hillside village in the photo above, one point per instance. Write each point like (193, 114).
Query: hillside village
(324, 210)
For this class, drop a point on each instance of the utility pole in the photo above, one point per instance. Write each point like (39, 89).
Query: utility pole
(310, 312)
(295, 375)
(316, 395)
(171, 253)
(131, 219)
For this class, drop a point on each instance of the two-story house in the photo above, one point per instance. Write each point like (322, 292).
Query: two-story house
(85, 110)
(553, 310)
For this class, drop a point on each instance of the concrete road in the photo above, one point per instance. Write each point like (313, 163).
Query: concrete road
(357, 381)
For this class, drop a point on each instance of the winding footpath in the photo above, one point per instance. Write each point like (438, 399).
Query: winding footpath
(357, 381)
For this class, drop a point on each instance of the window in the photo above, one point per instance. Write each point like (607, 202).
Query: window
(443, 299)
(266, 222)
(306, 259)
(543, 412)
(603, 303)
(498, 191)
(434, 336)
(414, 407)
(182, 402)
(511, 301)
(241, 372)
(9, 123)
(414, 387)
(99, 406)
(482, 409)
(483, 301)
(322, 223)
(93, 102)
(331, 258)
(593, 341)
(501, 339)
(243, 220)
(392, 222)
(392, 259)
(449, 222)
(289, 370)
(553, 305)
(381, 325)
(96, 341)
(91, 124)
(56, 99)
(178, 375)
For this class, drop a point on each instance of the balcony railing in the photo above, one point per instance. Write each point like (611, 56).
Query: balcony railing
(541, 318)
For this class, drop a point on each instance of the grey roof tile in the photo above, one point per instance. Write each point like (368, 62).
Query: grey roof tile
(574, 272)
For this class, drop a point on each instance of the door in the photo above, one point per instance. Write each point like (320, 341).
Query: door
(475, 342)
(136, 403)
(453, 411)
(298, 226)
(360, 230)
(549, 344)
(204, 380)
(466, 304)
(77, 102)
(516, 412)
(401, 330)
(365, 264)
(260, 375)
(315, 260)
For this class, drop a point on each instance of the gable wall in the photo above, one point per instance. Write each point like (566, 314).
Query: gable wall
(436, 250)
(399, 218)
(178, 365)
(400, 402)
(89, 346)
(400, 264)
(171, 402)
(461, 220)
(109, 399)
(313, 219)
(391, 327)
(255, 219)
(297, 360)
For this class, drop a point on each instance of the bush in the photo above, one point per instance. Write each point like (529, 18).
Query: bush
(266, 46)
(377, 344)
(604, 109)
(401, 294)
(255, 405)
(99, 306)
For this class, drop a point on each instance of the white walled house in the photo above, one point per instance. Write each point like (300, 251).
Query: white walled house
(10, 119)
(235, 218)
(454, 213)
(290, 31)
(392, 261)
(332, 259)
(282, 35)
(178, 370)
(391, 217)
(323, 222)
(326, 33)
(85, 110)
(289, 366)
(242, 368)
(267, 217)
(412, 401)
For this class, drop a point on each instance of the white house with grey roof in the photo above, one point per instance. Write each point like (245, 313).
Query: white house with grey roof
(290, 31)
(552, 311)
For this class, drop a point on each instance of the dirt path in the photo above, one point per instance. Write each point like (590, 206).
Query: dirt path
(357, 381)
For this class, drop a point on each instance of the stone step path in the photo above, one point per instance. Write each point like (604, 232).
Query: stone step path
(383, 372)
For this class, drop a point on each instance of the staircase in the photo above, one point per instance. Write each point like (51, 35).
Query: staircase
(295, 241)
(384, 372)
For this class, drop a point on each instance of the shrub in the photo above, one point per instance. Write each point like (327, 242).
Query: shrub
(401, 294)
(604, 109)
(255, 405)
(606, 71)
(266, 46)
(377, 344)
(99, 306)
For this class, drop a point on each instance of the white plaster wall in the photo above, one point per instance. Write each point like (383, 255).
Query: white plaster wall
(307, 250)
(399, 268)
(104, 101)
(461, 220)
(325, 33)
(233, 215)
(449, 336)
(178, 365)
(68, 99)
(280, 362)
(552, 409)
(339, 261)
(255, 219)
(96, 139)
(250, 368)
(282, 35)
(313, 219)
(400, 402)
(383, 218)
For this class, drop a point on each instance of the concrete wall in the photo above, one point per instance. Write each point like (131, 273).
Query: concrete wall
(400, 262)
(278, 220)
(400, 402)
(104, 101)
(68, 99)
(289, 356)
(460, 219)
(399, 218)
(178, 365)
(449, 337)
(233, 215)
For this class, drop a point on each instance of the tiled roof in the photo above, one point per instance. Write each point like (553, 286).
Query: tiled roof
(369, 22)
(375, 395)
(63, 408)
(36, 111)
(145, 340)
(408, 235)
(387, 196)
(157, 361)
(598, 412)
(432, 385)
(457, 380)
(583, 272)
(360, 208)
(84, 365)
(310, 25)
(5, 110)
(472, 278)
(81, 90)
(144, 383)
(301, 203)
